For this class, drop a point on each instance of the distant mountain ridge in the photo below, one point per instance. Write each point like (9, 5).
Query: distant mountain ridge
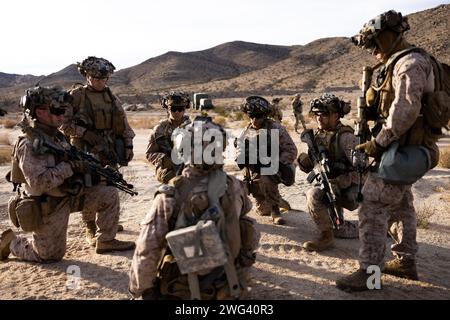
(238, 67)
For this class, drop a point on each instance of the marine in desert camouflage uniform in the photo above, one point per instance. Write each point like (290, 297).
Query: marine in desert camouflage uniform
(160, 143)
(297, 109)
(98, 124)
(179, 204)
(51, 183)
(338, 142)
(399, 91)
(276, 113)
(264, 188)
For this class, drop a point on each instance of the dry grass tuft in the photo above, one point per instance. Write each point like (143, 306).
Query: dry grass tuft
(220, 120)
(424, 213)
(143, 122)
(444, 158)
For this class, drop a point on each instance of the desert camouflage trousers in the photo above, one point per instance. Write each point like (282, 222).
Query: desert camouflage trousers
(48, 243)
(318, 209)
(299, 118)
(265, 191)
(386, 208)
(102, 205)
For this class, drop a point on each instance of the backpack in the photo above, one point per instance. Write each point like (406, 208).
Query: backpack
(436, 105)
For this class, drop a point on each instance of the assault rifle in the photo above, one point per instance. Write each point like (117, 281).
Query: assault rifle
(362, 131)
(320, 174)
(112, 176)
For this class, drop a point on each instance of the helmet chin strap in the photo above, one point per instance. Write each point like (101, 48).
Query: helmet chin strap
(392, 47)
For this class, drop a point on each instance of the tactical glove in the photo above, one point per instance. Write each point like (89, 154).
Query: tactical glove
(129, 154)
(92, 138)
(305, 163)
(371, 148)
(166, 162)
(79, 166)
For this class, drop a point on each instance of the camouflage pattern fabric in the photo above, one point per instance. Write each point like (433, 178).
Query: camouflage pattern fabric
(44, 175)
(102, 205)
(157, 155)
(151, 241)
(345, 186)
(265, 188)
(386, 208)
(389, 206)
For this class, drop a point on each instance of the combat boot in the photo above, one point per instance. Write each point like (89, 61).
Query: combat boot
(324, 241)
(276, 216)
(357, 281)
(401, 268)
(5, 240)
(284, 205)
(114, 245)
(91, 229)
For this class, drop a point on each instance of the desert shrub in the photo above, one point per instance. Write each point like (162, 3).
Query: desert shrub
(220, 120)
(143, 122)
(221, 111)
(238, 116)
(444, 158)
(424, 212)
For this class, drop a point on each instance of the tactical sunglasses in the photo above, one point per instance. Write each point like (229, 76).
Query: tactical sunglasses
(256, 115)
(57, 111)
(177, 108)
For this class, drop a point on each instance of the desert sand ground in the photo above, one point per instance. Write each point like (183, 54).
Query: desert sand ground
(284, 270)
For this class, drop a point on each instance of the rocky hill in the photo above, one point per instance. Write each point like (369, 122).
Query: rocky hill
(237, 68)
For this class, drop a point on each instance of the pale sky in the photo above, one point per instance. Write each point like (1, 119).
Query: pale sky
(44, 36)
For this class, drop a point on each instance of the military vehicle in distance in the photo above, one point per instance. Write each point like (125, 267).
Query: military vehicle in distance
(202, 101)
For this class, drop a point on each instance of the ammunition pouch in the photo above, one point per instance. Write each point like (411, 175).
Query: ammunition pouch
(197, 248)
(30, 213)
(12, 203)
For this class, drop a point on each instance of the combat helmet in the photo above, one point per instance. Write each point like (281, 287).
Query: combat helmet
(367, 38)
(327, 103)
(96, 67)
(256, 106)
(211, 137)
(55, 98)
(176, 99)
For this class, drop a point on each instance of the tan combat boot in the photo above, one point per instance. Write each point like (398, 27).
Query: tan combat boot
(324, 241)
(91, 229)
(276, 216)
(114, 245)
(284, 205)
(5, 240)
(401, 268)
(357, 281)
